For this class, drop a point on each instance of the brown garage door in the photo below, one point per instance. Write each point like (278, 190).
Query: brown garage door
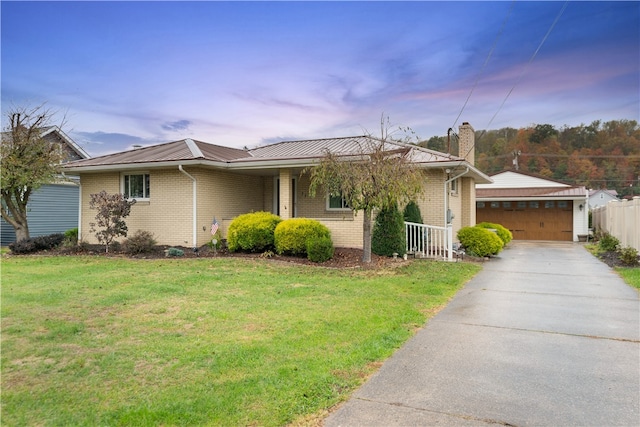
(531, 220)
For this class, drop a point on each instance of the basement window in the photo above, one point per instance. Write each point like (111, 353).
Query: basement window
(136, 186)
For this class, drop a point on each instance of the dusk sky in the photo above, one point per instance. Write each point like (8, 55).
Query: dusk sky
(249, 73)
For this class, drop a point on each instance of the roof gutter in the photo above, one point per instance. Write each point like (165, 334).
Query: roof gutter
(195, 205)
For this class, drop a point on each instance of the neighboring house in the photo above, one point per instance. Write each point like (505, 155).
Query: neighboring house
(533, 207)
(53, 208)
(601, 197)
(181, 186)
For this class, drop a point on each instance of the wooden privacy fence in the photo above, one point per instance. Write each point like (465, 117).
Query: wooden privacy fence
(621, 219)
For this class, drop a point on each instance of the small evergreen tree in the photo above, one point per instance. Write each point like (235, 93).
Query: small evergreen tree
(112, 209)
(412, 213)
(388, 232)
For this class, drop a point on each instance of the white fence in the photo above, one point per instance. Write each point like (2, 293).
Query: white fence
(429, 241)
(621, 219)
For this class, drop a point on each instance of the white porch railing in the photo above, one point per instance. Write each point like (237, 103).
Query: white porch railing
(429, 241)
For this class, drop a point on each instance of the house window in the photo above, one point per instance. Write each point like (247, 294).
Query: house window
(337, 203)
(136, 186)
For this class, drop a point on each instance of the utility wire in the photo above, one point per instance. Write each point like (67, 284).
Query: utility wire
(486, 61)
(535, 53)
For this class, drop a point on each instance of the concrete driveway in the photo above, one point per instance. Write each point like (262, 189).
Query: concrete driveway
(545, 335)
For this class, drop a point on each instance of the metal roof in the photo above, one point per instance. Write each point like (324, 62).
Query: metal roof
(531, 193)
(175, 151)
(297, 154)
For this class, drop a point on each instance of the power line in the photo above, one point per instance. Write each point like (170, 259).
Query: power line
(580, 156)
(486, 61)
(535, 53)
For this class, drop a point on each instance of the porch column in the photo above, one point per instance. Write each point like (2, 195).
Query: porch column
(285, 194)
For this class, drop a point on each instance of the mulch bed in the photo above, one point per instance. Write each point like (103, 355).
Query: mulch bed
(612, 259)
(342, 258)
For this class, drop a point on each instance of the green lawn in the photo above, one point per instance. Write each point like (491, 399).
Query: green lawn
(631, 275)
(107, 341)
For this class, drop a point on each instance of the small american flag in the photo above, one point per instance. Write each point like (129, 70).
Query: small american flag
(214, 227)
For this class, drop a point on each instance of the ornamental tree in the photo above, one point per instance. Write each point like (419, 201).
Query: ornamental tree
(112, 209)
(379, 175)
(28, 162)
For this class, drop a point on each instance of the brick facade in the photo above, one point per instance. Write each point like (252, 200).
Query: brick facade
(168, 213)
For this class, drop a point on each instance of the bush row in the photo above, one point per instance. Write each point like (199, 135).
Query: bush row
(34, 244)
(608, 243)
(264, 231)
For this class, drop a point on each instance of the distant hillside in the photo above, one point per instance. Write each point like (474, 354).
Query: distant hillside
(599, 155)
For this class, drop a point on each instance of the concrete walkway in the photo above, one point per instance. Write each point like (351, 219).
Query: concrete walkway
(545, 335)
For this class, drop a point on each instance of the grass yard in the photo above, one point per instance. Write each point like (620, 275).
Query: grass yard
(107, 341)
(631, 275)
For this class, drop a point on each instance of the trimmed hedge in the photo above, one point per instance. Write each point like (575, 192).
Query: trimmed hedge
(503, 233)
(479, 241)
(252, 232)
(320, 249)
(291, 235)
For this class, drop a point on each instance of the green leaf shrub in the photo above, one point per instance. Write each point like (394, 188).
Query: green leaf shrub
(412, 213)
(141, 242)
(71, 237)
(388, 232)
(608, 243)
(629, 256)
(503, 233)
(320, 249)
(252, 232)
(291, 235)
(479, 241)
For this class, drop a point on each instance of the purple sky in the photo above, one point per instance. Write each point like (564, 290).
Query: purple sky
(247, 73)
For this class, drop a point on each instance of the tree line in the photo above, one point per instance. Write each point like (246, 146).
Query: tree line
(598, 155)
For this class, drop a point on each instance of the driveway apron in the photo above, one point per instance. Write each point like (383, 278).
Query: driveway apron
(545, 335)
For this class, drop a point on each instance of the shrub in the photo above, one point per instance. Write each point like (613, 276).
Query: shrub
(141, 242)
(412, 213)
(24, 246)
(608, 243)
(112, 209)
(320, 249)
(629, 256)
(388, 232)
(252, 232)
(503, 233)
(291, 235)
(175, 252)
(71, 237)
(34, 244)
(479, 241)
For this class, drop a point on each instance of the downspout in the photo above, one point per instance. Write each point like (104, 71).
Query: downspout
(446, 194)
(447, 225)
(195, 205)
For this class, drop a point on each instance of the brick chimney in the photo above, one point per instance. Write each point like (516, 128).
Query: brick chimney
(466, 143)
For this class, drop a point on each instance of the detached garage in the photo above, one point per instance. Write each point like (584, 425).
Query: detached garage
(533, 207)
